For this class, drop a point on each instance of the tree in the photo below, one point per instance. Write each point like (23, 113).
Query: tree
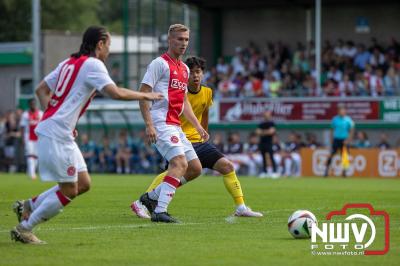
(71, 15)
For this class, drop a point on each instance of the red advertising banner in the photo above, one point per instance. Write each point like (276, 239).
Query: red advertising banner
(299, 111)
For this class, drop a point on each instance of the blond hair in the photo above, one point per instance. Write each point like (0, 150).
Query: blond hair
(177, 28)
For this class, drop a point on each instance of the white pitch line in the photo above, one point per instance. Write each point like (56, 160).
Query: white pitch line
(94, 228)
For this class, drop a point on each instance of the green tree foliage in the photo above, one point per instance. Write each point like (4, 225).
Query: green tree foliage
(67, 15)
(15, 20)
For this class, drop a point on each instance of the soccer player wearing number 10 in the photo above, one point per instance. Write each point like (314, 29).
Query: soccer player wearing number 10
(67, 92)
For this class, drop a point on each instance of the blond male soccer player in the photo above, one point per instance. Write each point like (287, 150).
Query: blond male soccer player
(200, 97)
(66, 93)
(168, 75)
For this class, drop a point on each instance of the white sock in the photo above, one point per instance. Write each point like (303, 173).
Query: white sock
(50, 207)
(155, 193)
(241, 207)
(31, 167)
(36, 201)
(167, 191)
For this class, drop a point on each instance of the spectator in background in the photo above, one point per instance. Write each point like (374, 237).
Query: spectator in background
(377, 59)
(335, 73)
(311, 141)
(218, 142)
(275, 87)
(88, 149)
(349, 50)
(234, 151)
(252, 150)
(106, 156)
(222, 67)
(383, 142)
(362, 140)
(266, 130)
(123, 153)
(226, 88)
(238, 62)
(291, 158)
(346, 86)
(339, 48)
(362, 57)
(12, 135)
(342, 130)
(391, 82)
(360, 85)
(376, 83)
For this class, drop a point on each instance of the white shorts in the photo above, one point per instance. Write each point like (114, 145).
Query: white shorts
(31, 148)
(58, 161)
(171, 142)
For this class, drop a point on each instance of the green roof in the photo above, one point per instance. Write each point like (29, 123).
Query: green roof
(15, 59)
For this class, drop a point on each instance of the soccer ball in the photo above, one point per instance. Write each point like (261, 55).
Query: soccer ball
(300, 222)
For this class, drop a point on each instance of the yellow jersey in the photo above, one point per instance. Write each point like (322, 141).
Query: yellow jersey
(200, 101)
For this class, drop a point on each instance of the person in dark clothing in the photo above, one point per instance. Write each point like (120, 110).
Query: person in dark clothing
(266, 130)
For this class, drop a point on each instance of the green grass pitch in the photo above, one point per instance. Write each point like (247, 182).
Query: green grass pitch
(99, 228)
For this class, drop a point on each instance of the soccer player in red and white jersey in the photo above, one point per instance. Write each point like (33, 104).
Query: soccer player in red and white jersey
(168, 75)
(29, 121)
(67, 92)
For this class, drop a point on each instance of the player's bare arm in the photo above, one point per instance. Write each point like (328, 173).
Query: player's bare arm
(145, 110)
(189, 115)
(204, 119)
(128, 95)
(44, 94)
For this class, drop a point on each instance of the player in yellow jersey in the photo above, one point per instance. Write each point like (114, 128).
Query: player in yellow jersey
(200, 97)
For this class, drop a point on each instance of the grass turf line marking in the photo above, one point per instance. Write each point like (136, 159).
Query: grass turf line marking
(94, 228)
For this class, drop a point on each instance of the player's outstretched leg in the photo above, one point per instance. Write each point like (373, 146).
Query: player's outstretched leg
(24, 208)
(49, 208)
(232, 184)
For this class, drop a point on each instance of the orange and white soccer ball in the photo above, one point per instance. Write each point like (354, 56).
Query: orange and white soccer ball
(300, 223)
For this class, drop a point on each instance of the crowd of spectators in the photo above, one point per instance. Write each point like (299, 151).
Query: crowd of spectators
(128, 152)
(276, 70)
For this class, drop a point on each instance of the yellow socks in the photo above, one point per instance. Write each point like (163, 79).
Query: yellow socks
(232, 184)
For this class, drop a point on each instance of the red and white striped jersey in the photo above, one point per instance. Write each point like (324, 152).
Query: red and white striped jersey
(29, 121)
(73, 83)
(170, 77)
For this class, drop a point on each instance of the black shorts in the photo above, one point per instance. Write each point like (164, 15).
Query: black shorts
(337, 145)
(208, 154)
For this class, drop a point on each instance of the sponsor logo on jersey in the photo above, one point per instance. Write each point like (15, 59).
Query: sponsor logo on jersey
(176, 84)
